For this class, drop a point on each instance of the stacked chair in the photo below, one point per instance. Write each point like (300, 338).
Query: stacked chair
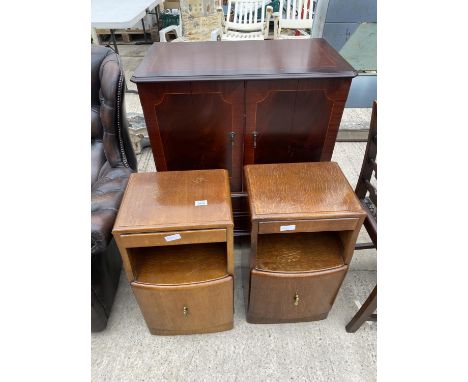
(294, 19)
(202, 20)
(246, 20)
(367, 194)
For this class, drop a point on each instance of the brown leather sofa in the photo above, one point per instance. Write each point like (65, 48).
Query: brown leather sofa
(112, 162)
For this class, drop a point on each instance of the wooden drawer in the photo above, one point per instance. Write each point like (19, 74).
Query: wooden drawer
(273, 295)
(173, 238)
(186, 309)
(347, 224)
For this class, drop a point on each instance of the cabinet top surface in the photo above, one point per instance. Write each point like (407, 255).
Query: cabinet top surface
(300, 191)
(175, 200)
(238, 60)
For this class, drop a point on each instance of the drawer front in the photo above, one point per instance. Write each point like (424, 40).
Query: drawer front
(348, 224)
(282, 297)
(173, 238)
(187, 309)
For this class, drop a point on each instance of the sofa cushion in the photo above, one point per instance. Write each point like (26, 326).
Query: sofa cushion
(106, 195)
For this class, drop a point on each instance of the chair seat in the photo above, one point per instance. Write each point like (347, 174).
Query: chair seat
(236, 36)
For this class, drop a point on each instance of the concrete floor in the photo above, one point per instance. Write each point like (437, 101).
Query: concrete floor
(313, 351)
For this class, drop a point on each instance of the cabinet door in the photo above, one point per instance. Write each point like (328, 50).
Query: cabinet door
(187, 308)
(293, 120)
(196, 125)
(293, 297)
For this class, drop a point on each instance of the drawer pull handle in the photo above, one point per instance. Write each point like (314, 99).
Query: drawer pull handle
(296, 300)
(185, 312)
(254, 139)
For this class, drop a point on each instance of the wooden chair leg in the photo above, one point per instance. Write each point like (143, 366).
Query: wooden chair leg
(365, 313)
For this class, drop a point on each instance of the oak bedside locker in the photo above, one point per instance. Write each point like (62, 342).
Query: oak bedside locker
(174, 231)
(305, 222)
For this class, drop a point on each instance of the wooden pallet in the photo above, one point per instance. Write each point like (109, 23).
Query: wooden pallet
(127, 36)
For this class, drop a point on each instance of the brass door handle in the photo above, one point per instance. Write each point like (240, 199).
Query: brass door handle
(296, 299)
(186, 312)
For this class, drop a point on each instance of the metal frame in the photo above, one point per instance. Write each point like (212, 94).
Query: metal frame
(146, 42)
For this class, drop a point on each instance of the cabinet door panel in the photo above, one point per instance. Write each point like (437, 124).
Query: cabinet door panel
(293, 120)
(208, 306)
(190, 126)
(272, 295)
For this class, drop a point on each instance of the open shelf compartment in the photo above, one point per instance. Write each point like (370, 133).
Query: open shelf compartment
(299, 252)
(179, 264)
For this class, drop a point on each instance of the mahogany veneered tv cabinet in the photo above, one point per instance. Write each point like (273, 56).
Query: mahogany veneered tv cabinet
(211, 105)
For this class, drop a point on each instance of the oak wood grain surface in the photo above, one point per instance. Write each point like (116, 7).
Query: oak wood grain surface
(165, 201)
(181, 264)
(186, 309)
(300, 191)
(300, 252)
(201, 61)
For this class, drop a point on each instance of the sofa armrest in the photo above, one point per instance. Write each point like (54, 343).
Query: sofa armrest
(106, 195)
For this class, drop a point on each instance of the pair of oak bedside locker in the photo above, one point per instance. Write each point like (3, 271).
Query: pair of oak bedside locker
(174, 231)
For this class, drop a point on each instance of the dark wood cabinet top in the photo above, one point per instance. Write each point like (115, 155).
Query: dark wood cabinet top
(291, 191)
(231, 60)
(176, 200)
